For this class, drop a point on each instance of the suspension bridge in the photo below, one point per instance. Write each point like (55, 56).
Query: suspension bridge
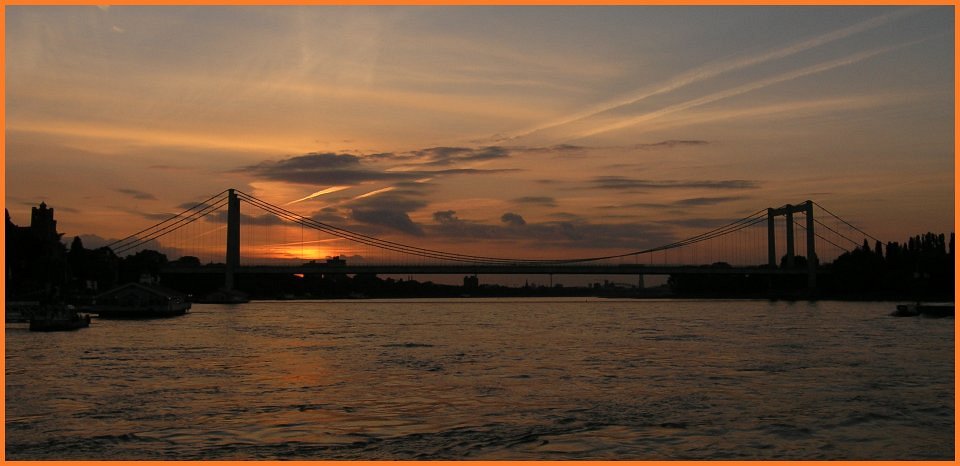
(750, 245)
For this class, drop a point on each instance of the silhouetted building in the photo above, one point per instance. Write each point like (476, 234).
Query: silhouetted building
(42, 222)
(471, 282)
(35, 266)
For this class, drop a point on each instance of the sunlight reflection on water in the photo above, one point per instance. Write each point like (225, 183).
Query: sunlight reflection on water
(490, 379)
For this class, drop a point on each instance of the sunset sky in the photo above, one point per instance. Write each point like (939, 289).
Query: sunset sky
(484, 129)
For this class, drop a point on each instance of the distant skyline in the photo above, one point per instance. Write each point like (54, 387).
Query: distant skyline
(569, 130)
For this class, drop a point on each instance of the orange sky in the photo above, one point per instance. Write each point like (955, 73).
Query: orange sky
(514, 130)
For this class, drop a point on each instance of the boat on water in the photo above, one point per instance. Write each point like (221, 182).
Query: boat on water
(934, 310)
(139, 301)
(60, 318)
(225, 297)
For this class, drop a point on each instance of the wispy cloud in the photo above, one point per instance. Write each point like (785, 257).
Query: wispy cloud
(341, 168)
(374, 192)
(716, 69)
(545, 201)
(454, 155)
(818, 68)
(707, 201)
(329, 190)
(624, 183)
(136, 194)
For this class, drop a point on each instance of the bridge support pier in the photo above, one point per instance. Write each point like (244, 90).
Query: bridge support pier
(771, 239)
(233, 238)
(790, 250)
(640, 282)
(812, 261)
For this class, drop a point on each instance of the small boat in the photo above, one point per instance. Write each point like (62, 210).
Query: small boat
(225, 297)
(140, 301)
(924, 310)
(54, 319)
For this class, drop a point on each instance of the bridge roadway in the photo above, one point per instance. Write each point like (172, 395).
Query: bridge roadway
(487, 269)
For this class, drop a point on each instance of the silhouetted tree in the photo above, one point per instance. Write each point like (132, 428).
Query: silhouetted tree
(143, 262)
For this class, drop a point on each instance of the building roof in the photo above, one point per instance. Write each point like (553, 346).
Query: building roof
(148, 288)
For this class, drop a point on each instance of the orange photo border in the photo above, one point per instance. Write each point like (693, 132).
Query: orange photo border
(3, 172)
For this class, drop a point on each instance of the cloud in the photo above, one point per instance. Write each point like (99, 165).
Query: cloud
(390, 210)
(154, 216)
(329, 190)
(330, 215)
(634, 205)
(450, 226)
(136, 194)
(745, 88)
(669, 144)
(320, 168)
(513, 219)
(566, 216)
(375, 192)
(545, 201)
(624, 183)
(393, 219)
(445, 216)
(707, 201)
(401, 200)
(348, 169)
(453, 155)
(712, 70)
(558, 148)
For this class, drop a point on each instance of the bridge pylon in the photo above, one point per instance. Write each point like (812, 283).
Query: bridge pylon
(788, 211)
(233, 237)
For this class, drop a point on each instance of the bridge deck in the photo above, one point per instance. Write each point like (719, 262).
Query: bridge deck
(623, 269)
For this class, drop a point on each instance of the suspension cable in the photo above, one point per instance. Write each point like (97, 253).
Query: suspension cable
(203, 203)
(740, 224)
(182, 222)
(846, 222)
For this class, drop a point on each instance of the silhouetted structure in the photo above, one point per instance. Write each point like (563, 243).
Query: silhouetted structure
(811, 262)
(471, 282)
(920, 268)
(140, 300)
(35, 267)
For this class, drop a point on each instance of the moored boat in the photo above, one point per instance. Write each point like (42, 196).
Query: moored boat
(140, 301)
(53, 319)
(924, 310)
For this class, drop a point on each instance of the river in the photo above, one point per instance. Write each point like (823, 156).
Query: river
(491, 379)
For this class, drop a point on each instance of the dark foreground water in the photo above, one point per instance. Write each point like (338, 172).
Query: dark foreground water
(492, 379)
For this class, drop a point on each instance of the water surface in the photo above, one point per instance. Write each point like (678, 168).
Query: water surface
(488, 379)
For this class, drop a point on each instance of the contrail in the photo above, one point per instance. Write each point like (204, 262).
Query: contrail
(329, 190)
(819, 68)
(373, 193)
(710, 71)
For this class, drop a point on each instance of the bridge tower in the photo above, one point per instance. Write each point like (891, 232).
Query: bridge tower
(233, 237)
(788, 211)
